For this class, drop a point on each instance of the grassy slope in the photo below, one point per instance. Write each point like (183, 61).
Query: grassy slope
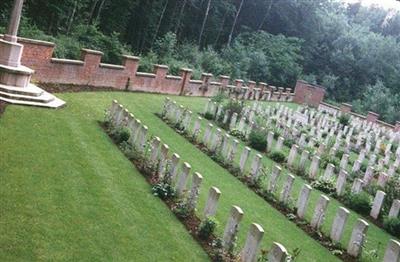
(67, 193)
(276, 226)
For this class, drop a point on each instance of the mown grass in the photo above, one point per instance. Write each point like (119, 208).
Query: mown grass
(68, 194)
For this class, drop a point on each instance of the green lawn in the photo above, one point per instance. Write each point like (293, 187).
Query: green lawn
(67, 193)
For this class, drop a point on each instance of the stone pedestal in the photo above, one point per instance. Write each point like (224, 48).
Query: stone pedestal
(15, 86)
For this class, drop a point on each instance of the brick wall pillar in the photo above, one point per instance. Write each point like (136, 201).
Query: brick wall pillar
(131, 64)
(306, 93)
(186, 76)
(205, 85)
(161, 72)
(92, 59)
(263, 86)
(251, 85)
(397, 127)
(224, 80)
(372, 117)
(345, 108)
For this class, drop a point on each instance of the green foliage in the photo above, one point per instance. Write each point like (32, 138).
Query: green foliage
(219, 97)
(392, 225)
(233, 106)
(207, 228)
(181, 210)
(339, 154)
(163, 190)
(238, 134)
(258, 140)
(147, 62)
(120, 134)
(277, 132)
(326, 186)
(360, 202)
(289, 142)
(89, 36)
(392, 190)
(328, 159)
(344, 119)
(277, 156)
(208, 116)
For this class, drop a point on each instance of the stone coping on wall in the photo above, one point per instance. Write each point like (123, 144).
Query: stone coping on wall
(67, 61)
(329, 105)
(33, 41)
(146, 74)
(111, 66)
(174, 77)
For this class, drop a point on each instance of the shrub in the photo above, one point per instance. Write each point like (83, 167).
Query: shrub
(120, 134)
(277, 156)
(163, 190)
(364, 167)
(208, 116)
(326, 186)
(238, 134)
(258, 140)
(344, 119)
(392, 225)
(339, 154)
(181, 210)
(328, 159)
(234, 106)
(218, 98)
(289, 142)
(207, 228)
(392, 190)
(277, 133)
(360, 202)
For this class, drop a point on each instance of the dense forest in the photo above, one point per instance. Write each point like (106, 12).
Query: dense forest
(352, 50)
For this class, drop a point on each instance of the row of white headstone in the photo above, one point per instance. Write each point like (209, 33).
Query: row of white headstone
(329, 174)
(215, 141)
(257, 94)
(321, 124)
(169, 166)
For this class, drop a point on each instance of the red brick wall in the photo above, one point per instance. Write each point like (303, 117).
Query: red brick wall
(89, 71)
(372, 117)
(308, 94)
(345, 108)
(397, 127)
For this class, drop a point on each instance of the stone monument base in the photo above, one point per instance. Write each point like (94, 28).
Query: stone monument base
(15, 86)
(31, 95)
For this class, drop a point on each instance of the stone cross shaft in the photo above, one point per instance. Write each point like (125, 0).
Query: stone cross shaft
(13, 25)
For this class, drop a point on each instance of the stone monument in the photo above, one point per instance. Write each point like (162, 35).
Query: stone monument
(15, 85)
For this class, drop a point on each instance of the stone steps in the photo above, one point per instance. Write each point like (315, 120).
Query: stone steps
(30, 90)
(31, 95)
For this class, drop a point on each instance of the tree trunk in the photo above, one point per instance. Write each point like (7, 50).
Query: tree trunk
(221, 28)
(204, 21)
(92, 10)
(72, 17)
(265, 16)
(178, 24)
(159, 22)
(100, 9)
(234, 22)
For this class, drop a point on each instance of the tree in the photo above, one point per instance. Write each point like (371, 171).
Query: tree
(234, 22)
(204, 21)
